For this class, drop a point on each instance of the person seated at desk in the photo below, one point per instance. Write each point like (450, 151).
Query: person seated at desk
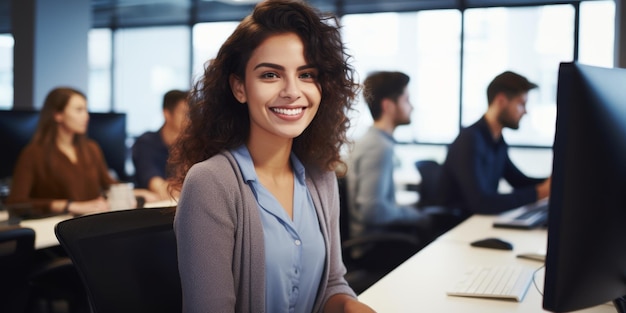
(61, 170)
(151, 150)
(478, 158)
(371, 191)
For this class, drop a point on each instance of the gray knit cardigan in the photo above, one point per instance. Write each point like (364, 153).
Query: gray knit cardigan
(220, 239)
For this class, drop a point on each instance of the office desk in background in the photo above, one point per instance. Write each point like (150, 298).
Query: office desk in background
(44, 227)
(421, 282)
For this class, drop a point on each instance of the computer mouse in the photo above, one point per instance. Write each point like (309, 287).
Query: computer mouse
(493, 243)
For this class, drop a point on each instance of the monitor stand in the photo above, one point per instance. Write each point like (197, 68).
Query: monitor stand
(620, 304)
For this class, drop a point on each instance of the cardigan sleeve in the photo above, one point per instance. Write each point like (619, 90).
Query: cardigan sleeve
(205, 232)
(336, 284)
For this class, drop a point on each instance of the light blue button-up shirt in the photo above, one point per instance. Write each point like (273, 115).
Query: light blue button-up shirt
(294, 249)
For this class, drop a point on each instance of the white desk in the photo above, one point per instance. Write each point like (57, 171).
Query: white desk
(44, 227)
(44, 230)
(420, 283)
(161, 204)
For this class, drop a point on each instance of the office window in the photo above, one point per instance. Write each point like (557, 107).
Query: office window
(406, 42)
(436, 100)
(207, 40)
(597, 33)
(6, 71)
(148, 63)
(531, 41)
(99, 94)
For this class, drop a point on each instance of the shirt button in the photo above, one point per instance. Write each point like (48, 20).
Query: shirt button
(298, 242)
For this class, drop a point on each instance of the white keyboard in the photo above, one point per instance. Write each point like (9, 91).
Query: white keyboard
(504, 282)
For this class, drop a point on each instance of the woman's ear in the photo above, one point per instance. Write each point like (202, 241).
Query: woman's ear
(237, 86)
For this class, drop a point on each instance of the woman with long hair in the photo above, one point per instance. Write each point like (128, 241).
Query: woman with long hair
(257, 219)
(61, 170)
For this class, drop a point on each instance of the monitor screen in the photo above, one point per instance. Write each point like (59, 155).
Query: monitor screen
(586, 256)
(16, 130)
(108, 129)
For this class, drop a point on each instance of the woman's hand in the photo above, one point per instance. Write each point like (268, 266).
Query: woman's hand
(148, 195)
(85, 207)
(341, 303)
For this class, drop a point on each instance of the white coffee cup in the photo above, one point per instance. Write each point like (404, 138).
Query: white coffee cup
(121, 197)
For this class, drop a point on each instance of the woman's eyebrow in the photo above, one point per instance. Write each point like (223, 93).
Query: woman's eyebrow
(280, 67)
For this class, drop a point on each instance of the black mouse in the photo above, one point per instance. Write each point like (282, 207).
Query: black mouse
(493, 243)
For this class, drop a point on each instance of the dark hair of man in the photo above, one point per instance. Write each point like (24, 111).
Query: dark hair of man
(509, 83)
(383, 85)
(172, 98)
(219, 122)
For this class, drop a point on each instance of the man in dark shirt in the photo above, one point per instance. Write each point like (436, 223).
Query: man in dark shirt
(151, 150)
(478, 157)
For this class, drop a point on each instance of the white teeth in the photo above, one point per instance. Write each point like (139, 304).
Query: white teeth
(284, 111)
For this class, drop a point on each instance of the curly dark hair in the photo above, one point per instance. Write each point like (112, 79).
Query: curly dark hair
(217, 121)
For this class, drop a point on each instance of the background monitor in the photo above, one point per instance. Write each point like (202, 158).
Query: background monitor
(586, 254)
(16, 130)
(108, 129)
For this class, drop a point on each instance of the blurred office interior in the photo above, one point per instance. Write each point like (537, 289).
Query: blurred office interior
(125, 54)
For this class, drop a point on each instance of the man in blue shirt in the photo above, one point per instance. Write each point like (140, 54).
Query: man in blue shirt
(370, 185)
(478, 158)
(151, 150)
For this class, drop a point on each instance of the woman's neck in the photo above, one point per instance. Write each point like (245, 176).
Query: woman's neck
(271, 158)
(273, 169)
(65, 143)
(64, 139)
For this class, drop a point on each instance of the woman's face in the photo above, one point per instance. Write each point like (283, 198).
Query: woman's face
(280, 88)
(74, 118)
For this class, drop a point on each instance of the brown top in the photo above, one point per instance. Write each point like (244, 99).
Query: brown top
(43, 174)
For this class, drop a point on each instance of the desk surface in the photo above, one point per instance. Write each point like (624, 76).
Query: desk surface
(44, 227)
(44, 230)
(420, 283)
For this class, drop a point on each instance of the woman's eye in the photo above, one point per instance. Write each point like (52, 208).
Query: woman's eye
(269, 75)
(307, 76)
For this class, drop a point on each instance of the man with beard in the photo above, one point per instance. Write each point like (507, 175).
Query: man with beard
(370, 184)
(478, 158)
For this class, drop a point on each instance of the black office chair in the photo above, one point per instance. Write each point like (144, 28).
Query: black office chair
(429, 199)
(17, 245)
(430, 171)
(126, 259)
(387, 251)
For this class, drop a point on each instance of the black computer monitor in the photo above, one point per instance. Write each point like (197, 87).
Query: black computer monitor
(16, 130)
(17, 127)
(109, 130)
(586, 254)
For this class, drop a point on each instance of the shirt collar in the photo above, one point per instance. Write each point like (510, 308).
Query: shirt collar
(242, 155)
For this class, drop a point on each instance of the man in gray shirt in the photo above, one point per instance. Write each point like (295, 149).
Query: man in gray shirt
(371, 191)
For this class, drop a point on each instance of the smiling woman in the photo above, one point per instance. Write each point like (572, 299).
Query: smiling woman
(280, 89)
(257, 219)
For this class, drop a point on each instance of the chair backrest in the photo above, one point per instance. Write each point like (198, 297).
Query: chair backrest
(344, 212)
(17, 245)
(126, 259)
(430, 171)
